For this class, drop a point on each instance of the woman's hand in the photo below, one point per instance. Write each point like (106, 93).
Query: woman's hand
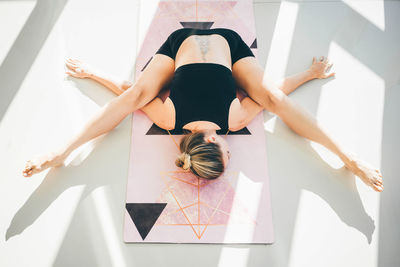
(319, 69)
(77, 68)
(42, 162)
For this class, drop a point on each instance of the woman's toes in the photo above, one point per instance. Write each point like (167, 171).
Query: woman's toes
(29, 168)
(378, 188)
(375, 187)
(27, 173)
(378, 178)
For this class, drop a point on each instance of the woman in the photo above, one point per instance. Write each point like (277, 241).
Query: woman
(203, 67)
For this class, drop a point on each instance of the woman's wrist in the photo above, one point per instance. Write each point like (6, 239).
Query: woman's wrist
(310, 74)
(90, 75)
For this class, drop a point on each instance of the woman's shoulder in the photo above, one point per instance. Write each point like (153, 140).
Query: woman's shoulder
(179, 31)
(227, 30)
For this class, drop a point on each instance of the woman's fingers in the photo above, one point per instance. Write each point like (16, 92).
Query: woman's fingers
(78, 68)
(313, 60)
(71, 73)
(71, 66)
(322, 59)
(72, 63)
(330, 74)
(73, 60)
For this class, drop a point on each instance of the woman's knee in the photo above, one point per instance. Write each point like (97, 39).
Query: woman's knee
(134, 97)
(275, 100)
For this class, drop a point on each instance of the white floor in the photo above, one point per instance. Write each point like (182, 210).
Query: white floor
(323, 216)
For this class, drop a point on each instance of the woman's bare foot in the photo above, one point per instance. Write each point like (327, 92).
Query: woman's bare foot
(42, 162)
(369, 175)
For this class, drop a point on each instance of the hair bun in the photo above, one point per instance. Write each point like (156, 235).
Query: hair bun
(187, 162)
(183, 161)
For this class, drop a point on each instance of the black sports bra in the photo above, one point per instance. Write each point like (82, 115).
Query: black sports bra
(203, 91)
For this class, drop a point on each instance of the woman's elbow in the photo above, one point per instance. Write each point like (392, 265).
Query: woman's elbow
(237, 125)
(165, 124)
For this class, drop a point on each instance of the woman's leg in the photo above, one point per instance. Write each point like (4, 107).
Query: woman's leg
(250, 76)
(158, 73)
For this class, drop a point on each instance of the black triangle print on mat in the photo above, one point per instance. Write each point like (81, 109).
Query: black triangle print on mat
(147, 63)
(243, 131)
(155, 130)
(144, 215)
(203, 25)
(254, 44)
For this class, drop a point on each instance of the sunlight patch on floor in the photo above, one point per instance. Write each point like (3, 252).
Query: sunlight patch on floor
(282, 40)
(317, 225)
(373, 11)
(109, 229)
(250, 191)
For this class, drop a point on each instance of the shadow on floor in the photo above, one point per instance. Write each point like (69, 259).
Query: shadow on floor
(26, 47)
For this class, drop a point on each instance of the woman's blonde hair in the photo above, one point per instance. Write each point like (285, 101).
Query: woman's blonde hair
(204, 159)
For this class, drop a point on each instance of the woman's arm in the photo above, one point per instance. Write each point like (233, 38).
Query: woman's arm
(79, 69)
(265, 92)
(318, 70)
(161, 113)
(241, 113)
(245, 111)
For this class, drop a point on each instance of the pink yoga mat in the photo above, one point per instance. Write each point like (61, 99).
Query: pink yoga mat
(165, 204)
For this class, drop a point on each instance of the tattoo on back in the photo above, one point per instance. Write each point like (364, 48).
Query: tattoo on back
(203, 43)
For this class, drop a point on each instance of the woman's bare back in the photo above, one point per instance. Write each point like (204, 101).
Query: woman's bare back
(211, 48)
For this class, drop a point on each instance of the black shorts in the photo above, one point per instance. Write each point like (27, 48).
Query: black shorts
(239, 49)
